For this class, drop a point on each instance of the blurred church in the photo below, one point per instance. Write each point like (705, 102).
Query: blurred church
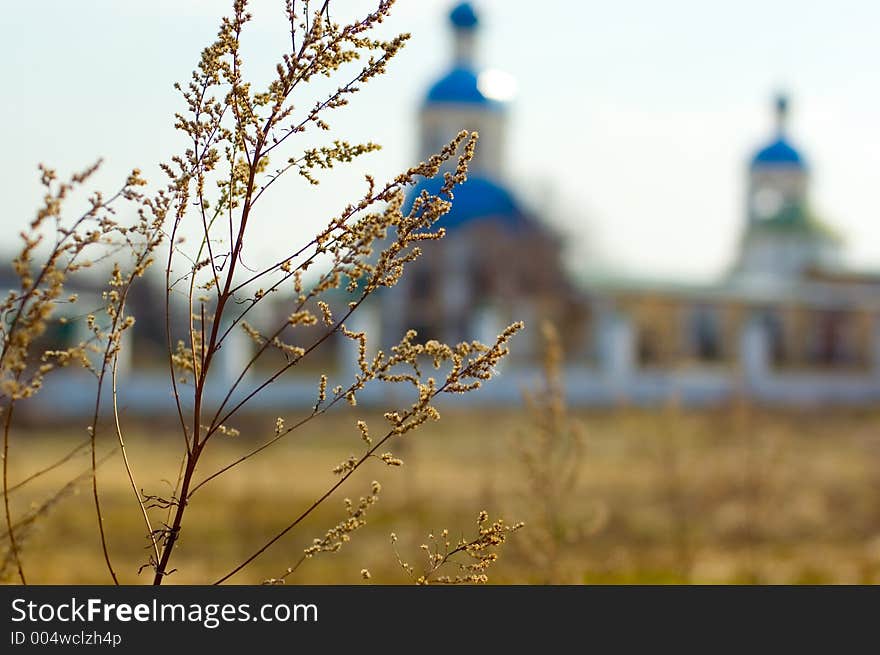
(498, 263)
(787, 323)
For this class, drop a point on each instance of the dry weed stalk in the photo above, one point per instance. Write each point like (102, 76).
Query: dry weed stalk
(479, 554)
(763, 455)
(233, 128)
(675, 491)
(70, 246)
(339, 534)
(550, 454)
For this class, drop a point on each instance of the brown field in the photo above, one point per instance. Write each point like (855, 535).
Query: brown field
(665, 496)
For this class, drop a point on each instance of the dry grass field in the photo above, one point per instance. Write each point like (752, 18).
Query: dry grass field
(665, 496)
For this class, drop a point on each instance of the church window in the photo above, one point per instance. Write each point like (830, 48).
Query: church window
(704, 334)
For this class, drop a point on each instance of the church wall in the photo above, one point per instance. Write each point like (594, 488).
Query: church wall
(772, 188)
(440, 124)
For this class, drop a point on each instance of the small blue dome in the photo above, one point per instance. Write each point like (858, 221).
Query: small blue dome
(460, 85)
(778, 153)
(464, 17)
(476, 198)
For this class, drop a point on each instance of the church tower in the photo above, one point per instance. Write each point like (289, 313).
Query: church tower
(782, 237)
(778, 174)
(497, 260)
(467, 98)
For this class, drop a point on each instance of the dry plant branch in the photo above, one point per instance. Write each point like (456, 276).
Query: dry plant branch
(232, 126)
(481, 552)
(549, 451)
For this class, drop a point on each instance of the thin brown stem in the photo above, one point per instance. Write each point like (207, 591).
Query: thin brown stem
(168, 339)
(52, 500)
(60, 462)
(369, 453)
(275, 439)
(283, 369)
(127, 464)
(13, 545)
(174, 530)
(93, 431)
(197, 444)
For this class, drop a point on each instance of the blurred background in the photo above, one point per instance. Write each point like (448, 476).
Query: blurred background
(686, 193)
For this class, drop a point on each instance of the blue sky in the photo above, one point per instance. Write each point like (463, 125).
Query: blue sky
(632, 127)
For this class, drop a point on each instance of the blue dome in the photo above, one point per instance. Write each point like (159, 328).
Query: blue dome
(464, 17)
(778, 153)
(460, 86)
(476, 198)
